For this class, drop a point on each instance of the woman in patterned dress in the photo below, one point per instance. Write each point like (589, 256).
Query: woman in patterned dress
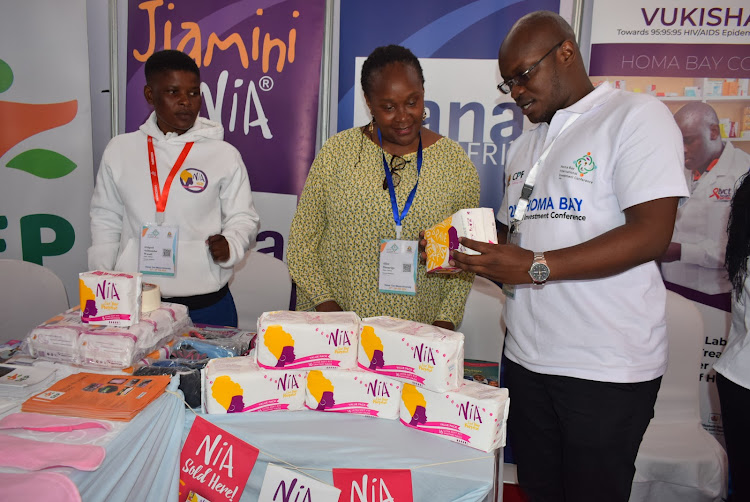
(345, 208)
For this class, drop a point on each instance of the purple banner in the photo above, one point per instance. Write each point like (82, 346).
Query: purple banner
(260, 73)
(671, 60)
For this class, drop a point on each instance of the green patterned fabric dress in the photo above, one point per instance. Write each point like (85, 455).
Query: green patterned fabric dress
(344, 212)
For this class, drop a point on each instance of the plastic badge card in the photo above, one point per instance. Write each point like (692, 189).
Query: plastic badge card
(476, 224)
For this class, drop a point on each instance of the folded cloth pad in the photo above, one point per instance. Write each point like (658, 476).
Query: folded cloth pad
(49, 423)
(38, 486)
(34, 455)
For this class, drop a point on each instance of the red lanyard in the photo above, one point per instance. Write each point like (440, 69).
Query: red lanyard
(160, 197)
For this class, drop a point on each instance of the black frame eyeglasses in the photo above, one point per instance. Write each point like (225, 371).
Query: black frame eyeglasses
(397, 164)
(523, 78)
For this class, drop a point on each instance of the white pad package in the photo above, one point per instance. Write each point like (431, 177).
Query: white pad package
(353, 391)
(474, 415)
(238, 384)
(110, 298)
(416, 353)
(306, 340)
(477, 224)
(113, 347)
(57, 338)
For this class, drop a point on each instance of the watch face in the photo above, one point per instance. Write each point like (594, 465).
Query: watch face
(539, 272)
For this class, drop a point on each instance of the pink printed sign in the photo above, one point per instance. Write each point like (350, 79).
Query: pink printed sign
(373, 485)
(214, 463)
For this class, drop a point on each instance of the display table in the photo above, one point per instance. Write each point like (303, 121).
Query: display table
(441, 470)
(142, 456)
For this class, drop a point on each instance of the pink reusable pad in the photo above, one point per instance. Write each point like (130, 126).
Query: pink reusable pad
(49, 423)
(35, 455)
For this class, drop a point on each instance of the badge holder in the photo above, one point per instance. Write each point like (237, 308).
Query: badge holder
(397, 273)
(158, 250)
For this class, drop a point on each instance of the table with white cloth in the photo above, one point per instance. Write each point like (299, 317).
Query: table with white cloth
(142, 456)
(440, 470)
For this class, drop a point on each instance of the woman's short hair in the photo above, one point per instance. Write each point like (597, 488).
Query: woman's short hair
(383, 56)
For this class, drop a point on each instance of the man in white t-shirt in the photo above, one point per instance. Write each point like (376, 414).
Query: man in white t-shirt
(695, 257)
(586, 339)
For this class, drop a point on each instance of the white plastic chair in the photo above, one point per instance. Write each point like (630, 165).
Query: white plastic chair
(30, 294)
(483, 325)
(679, 460)
(261, 283)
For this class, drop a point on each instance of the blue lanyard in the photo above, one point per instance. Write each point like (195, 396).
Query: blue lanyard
(398, 218)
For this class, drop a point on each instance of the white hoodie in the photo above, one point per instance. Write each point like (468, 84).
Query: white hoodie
(123, 202)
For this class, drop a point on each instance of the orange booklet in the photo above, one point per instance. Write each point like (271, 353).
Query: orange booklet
(95, 395)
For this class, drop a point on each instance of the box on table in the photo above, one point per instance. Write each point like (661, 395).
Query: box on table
(238, 384)
(110, 298)
(353, 391)
(307, 340)
(421, 354)
(474, 415)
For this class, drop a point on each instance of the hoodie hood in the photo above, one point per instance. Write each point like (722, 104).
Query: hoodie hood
(202, 129)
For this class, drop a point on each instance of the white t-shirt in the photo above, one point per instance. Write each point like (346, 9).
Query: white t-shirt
(625, 149)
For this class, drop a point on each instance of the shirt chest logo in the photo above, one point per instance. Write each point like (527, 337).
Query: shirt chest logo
(581, 170)
(193, 180)
(722, 194)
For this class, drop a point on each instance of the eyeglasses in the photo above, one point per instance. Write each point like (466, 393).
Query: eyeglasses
(397, 163)
(523, 77)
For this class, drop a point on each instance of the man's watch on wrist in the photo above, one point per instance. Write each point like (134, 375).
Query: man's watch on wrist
(539, 270)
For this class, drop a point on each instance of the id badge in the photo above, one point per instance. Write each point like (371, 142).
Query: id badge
(398, 267)
(514, 237)
(158, 250)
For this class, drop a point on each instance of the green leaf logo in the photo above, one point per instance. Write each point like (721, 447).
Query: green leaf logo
(43, 163)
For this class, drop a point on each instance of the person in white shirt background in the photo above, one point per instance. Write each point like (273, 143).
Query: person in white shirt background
(733, 367)
(695, 257)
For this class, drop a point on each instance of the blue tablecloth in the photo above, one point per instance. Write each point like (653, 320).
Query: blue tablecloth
(142, 461)
(441, 470)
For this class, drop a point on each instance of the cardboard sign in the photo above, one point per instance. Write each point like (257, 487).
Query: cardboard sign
(373, 485)
(284, 485)
(214, 464)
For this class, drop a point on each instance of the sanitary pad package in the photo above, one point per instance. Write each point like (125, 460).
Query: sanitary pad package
(474, 415)
(110, 298)
(304, 340)
(238, 384)
(477, 224)
(65, 338)
(353, 391)
(421, 354)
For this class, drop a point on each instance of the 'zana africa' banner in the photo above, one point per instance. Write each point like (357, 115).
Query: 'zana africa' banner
(260, 73)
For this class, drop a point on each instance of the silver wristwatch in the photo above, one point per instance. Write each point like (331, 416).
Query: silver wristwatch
(539, 270)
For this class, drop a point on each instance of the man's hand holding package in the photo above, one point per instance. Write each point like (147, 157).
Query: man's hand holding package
(505, 263)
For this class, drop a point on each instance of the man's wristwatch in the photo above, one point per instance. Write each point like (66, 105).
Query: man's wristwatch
(539, 270)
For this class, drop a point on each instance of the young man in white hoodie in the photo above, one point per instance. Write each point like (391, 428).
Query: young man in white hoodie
(172, 200)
